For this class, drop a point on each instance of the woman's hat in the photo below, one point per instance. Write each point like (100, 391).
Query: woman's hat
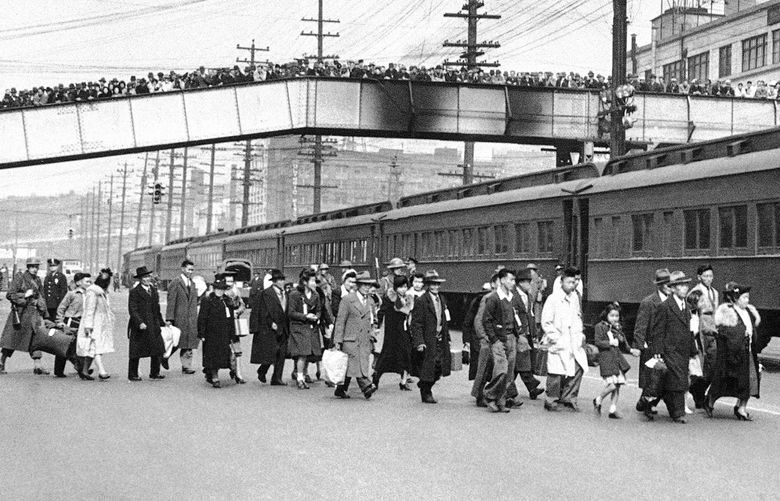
(142, 272)
(678, 278)
(346, 263)
(33, 261)
(432, 276)
(364, 277)
(734, 289)
(661, 276)
(220, 284)
(396, 262)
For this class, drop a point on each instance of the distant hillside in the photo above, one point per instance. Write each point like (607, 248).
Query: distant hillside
(38, 218)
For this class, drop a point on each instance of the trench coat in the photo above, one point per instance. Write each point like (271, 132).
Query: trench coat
(611, 359)
(643, 333)
(30, 309)
(354, 330)
(673, 340)
(736, 364)
(97, 316)
(267, 341)
(182, 311)
(437, 348)
(397, 345)
(144, 308)
(562, 326)
(217, 328)
(304, 333)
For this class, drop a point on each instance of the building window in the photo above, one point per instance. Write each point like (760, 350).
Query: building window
(522, 238)
(482, 240)
(733, 227)
(776, 47)
(769, 225)
(643, 227)
(699, 66)
(697, 229)
(673, 70)
(724, 61)
(500, 239)
(754, 52)
(545, 236)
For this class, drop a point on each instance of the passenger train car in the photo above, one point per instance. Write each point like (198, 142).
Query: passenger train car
(714, 202)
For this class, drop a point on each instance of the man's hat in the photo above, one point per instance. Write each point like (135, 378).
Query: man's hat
(524, 275)
(531, 266)
(661, 276)
(432, 276)
(33, 261)
(345, 263)
(364, 277)
(53, 262)
(559, 266)
(678, 278)
(324, 266)
(396, 262)
(78, 277)
(276, 275)
(735, 290)
(142, 271)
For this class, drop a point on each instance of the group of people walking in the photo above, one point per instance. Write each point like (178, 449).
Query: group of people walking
(688, 340)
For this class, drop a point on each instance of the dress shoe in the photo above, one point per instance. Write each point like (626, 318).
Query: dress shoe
(329, 384)
(238, 379)
(318, 374)
(572, 406)
(86, 377)
(648, 414)
(40, 371)
(157, 376)
(535, 393)
(187, 370)
(641, 405)
(742, 417)
(551, 407)
(276, 382)
(369, 391)
(615, 415)
(481, 402)
(302, 385)
(597, 406)
(679, 420)
(164, 364)
(2, 369)
(493, 407)
(340, 393)
(60, 375)
(404, 387)
(261, 377)
(708, 408)
(688, 411)
(216, 384)
(133, 378)
(307, 379)
(428, 399)
(104, 376)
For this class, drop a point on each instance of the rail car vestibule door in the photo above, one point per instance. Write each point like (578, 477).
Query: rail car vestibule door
(576, 217)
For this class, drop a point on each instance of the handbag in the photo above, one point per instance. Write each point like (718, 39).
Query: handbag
(334, 366)
(540, 360)
(17, 322)
(242, 327)
(655, 386)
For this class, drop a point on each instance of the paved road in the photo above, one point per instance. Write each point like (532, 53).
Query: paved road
(181, 439)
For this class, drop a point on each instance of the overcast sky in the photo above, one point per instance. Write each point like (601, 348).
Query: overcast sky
(57, 41)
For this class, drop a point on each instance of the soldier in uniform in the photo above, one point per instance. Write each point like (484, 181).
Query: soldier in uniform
(55, 287)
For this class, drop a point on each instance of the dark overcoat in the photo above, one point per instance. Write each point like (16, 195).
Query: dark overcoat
(144, 308)
(673, 340)
(611, 359)
(30, 310)
(524, 360)
(736, 355)
(267, 341)
(437, 349)
(255, 289)
(304, 333)
(217, 328)
(397, 346)
(469, 335)
(182, 311)
(643, 334)
(55, 287)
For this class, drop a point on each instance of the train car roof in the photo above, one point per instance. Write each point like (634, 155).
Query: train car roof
(254, 235)
(176, 245)
(333, 223)
(206, 240)
(346, 212)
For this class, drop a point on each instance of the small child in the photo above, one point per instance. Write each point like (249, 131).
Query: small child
(609, 339)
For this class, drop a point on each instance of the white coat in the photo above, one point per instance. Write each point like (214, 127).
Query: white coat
(562, 326)
(99, 317)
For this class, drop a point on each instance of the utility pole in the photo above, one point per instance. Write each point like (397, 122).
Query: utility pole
(110, 216)
(252, 49)
(394, 182)
(320, 149)
(141, 202)
(83, 229)
(617, 133)
(169, 210)
(468, 58)
(97, 225)
(155, 173)
(122, 216)
(317, 160)
(210, 205)
(183, 194)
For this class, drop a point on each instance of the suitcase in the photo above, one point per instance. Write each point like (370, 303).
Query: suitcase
(457, 360)
(52, 341)
(540, 361)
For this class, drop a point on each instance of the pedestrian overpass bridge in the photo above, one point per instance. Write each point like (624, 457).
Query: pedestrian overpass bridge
(345, 107)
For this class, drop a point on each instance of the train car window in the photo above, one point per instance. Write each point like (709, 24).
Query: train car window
(597, 244)
(482, 240)
(643, 231)
(733, 227)
(768, 225)
(440, 243)
(468, 242)
(454, 244)
(697, 229)
(545, 236)
(501, 233)
(666, 233)
(364, 251)
(425, 244)
(523, 238)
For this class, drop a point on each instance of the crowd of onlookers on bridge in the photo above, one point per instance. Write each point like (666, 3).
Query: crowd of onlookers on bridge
(203, 77)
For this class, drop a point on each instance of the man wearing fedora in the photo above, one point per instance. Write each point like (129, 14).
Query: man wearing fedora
(643, 334)
(396, 267)
(673, 343)
(353, 333)
(26, 295)
(144, 328)
(55, 287)
(431, 358)
(270, 329)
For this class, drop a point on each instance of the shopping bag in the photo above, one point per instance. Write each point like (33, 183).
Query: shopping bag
(52, 341)
(170, 335)
(540, 362)
(242, 327)
(334, 366)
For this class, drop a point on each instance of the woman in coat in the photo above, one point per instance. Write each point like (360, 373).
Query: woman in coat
(304, 311)
(216, 328)
(397, 347)
(736, 371)
(96, 330)
(703, 331)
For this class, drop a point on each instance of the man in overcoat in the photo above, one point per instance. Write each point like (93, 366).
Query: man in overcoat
(144, 328)
(182, 312)
(526, 341)
(55, 287)
(270, 328)
(26, 293)
(643, 337)
(673, 343)
(353, 334)
(431, 359)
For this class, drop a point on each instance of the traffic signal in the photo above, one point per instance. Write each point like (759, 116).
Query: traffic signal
(157, 195)
(70, 232)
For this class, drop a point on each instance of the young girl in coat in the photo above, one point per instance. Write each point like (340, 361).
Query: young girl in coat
(609, 339)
